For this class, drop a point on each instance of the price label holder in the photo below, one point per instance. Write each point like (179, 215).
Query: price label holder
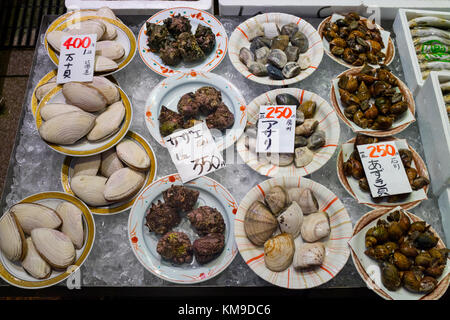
(77, 58)
(194, 152)
(276, 129)
(384, 169)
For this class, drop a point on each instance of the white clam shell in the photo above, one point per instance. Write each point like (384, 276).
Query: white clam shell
(104, 64)
(33, 215)
(110, 163)
(270, 30)
(107, 88)
(303, 156)
(309, 255)
(51, 110)
(72, 222)
(279, 252)
(67, 128)
(259, 223)
(108, 122)
(54, 38)
(12, 239)
(110, 32)
(45, 88)
(291, 219)
(276, 199)
(93, 26)
(87, 166)
(90, 189)
(123, 184)
(305, 199)
(84, 96)
(54, 247)
(106, 12)
(133, 155)
(315, 227)
(34, 264)
(110, 49)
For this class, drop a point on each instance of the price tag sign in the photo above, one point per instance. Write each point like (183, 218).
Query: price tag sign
(194, 152)
(77, 58)
(384, 169)
(276, 129)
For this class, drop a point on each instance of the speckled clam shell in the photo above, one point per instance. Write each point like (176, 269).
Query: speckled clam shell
(315, 227)
(309, 255)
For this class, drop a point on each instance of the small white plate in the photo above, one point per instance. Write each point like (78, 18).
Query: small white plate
(169, 91)
(67, 173)
(336, 247)
(196, 17)
(328, 122)
(124, 36)
(83, 147)
(239, 39)
(144, 242)
(13, 272)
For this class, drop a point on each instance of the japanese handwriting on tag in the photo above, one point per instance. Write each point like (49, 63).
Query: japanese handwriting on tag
(276, 129)
(77, 58)
(194, 152)
(384, 169)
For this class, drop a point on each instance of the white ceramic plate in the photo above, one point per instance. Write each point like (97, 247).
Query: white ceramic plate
(239, 39)
(144, 243)
(83, 147)
(67, 173)
(196, 17)
(328, 122)
(124, 36)
(169, 91)
(336, 247)
(14, 274)
(369, 269)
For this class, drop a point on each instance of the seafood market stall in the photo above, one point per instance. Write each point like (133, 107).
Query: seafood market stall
(121, 242)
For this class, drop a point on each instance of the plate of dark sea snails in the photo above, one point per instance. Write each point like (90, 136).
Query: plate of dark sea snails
(293, 232)
(183, 233)
(275, 49)
(400, 256)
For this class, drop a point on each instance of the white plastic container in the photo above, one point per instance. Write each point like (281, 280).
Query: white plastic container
(435, 130)
(311, 8)
(407, 53)
(444, 207)
(144, 7)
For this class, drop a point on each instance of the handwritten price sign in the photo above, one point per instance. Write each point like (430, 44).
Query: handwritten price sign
(77, 58)
(384, 169)
(194, 152)
(276, 129)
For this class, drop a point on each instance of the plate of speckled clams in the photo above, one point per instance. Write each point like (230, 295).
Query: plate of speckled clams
(44, 238)
(115, 46)
(316, 137)
(183, 233)
(110, 182)
(293, 232)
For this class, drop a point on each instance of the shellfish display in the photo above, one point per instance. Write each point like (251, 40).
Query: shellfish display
(355, 40)
(109, 51)
(92, 110)
(352, 168)
(176, 42)
(112, 177)
(283, 210)
(372, 98)
(205, 104)
(42, 237)
(407, 251)
(431, 39)
(175, 246)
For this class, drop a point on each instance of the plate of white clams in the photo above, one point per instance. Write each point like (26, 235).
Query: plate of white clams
(293, 232)
(116, 44)
(84, 118)
(44, 238)
(110, 182)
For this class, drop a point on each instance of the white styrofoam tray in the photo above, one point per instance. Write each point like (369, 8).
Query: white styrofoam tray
(444, 207)
(311, 8)
(408, 56)
(139, 7)
(435, 130)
